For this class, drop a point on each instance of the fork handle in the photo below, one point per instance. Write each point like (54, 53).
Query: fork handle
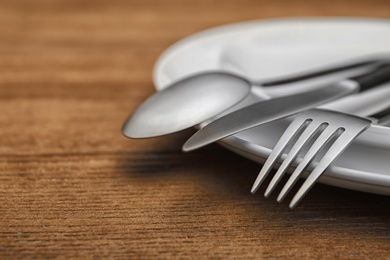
(373, 78)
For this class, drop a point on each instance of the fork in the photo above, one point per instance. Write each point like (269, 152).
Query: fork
(318, 130)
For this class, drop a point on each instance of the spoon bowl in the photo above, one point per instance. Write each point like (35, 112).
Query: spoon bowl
(186, 103)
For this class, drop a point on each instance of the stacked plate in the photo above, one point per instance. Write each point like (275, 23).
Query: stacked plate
(268, 50)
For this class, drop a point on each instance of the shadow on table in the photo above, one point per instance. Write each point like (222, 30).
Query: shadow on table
(222, 179)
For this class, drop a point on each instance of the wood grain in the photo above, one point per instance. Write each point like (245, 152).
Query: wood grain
(72, 186)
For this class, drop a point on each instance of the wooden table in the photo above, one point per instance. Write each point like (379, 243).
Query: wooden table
(72, 186)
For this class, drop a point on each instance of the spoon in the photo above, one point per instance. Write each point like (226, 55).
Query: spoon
(195, 99)
(186, 103)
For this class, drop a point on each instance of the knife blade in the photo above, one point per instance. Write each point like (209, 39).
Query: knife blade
(277, 108)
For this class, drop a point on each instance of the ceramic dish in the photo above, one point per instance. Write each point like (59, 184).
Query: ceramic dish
(273, 49)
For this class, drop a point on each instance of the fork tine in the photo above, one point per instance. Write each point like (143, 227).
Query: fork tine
(321, 141)
(292, 130)
(304, 138)
(334, 151)
(333, 126)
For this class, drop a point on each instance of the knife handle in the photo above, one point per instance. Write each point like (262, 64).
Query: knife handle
(319, 73)
(373, 78)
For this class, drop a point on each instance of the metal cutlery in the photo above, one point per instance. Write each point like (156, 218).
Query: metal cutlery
(324, 130)
(384, 117)
(270, 110)
(195, 99)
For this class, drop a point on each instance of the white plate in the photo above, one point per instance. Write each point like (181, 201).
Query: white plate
(271, 49)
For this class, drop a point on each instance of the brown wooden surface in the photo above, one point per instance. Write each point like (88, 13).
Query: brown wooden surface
(72, 186)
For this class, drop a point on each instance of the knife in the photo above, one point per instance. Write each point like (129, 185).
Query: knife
(277, 108)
